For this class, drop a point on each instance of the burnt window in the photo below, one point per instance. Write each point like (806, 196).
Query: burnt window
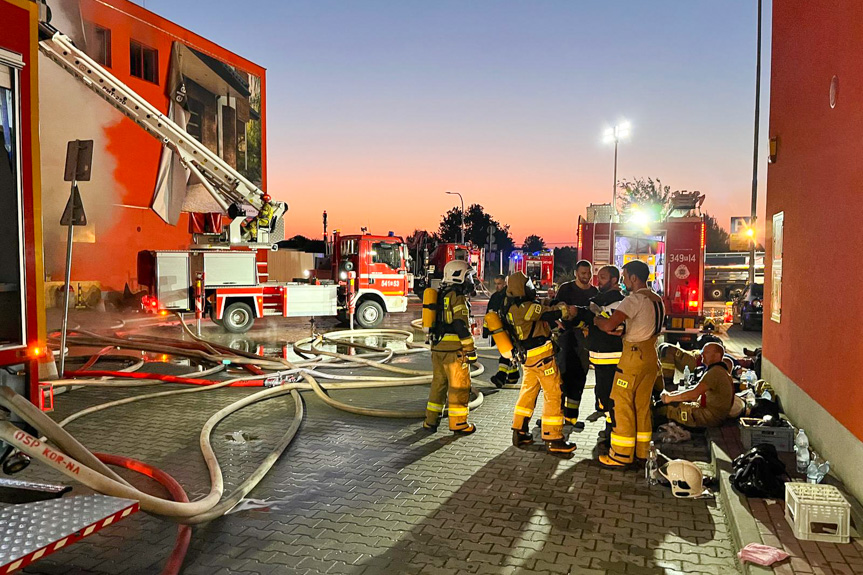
(101, 47)
(196, 118)
(144, 62)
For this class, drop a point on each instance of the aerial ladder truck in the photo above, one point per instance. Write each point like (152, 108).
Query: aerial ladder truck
(233, 193)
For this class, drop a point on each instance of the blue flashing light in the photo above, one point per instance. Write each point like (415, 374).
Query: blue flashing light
(391, 234)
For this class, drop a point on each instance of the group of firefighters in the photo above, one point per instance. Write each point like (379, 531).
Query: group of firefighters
(556, 340)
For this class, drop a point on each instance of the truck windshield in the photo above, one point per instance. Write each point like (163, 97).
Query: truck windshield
(387, 253)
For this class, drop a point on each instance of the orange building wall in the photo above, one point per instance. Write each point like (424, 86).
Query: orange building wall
(816, 181)
(124, 231)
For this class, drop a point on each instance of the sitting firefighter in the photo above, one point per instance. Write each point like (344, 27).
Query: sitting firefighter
(708, 403)
(261, 221)
(527, 322)
(452, 348)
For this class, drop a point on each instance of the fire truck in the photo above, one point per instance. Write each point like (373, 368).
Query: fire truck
(538, 266)
(673, 248)
(365, 275)
(39, 520)
(430, 271)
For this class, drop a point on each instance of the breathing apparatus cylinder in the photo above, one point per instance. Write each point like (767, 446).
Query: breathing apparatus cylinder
(501, 338)
(429, 309)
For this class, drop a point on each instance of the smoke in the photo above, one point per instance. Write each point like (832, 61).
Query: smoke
(69, 111)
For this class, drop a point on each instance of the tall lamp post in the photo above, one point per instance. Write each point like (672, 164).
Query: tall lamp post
(462, 212)
(614, 135)
(752, 215)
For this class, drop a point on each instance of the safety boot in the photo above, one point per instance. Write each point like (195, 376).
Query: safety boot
(429, 428)
(471, 428)
(498, 379)
(521, 438)
(559, 446)
(607, 461)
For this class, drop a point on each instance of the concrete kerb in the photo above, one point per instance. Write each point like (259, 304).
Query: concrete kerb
(744, 529)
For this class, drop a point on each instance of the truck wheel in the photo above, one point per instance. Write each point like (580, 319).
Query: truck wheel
(238, 318)
(369, 314)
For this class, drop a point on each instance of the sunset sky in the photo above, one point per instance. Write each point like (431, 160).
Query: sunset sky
(376, 108)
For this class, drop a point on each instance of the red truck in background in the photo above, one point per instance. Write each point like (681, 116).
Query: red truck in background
(430, 272)
(238, 287)
(673, 248)
(538, 266)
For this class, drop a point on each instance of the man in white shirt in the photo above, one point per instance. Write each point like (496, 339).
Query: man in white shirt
(644, 315)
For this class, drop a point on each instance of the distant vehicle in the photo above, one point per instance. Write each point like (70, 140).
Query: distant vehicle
(728, 272)
(538, 266)
(429, 270)
(748, 307)
(673, 249)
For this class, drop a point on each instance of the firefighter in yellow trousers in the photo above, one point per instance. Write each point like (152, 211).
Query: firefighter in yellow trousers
(527, 323)
(453, 350)
(644, 314)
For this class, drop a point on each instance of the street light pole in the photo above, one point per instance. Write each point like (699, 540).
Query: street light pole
(615, 134)
(462, 213)
(752, 214)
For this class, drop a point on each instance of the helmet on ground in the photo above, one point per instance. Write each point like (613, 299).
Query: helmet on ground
(457, 272)
(519, 285)
(686, 479)
(266, 197)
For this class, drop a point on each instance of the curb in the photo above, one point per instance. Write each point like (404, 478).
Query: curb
(744, 529)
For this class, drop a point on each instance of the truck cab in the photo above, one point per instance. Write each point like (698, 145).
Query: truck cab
(381, 267)
(432, 273)
(538, 266)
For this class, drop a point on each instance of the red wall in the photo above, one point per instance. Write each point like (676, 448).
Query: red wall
(112, 259)
(816, 181)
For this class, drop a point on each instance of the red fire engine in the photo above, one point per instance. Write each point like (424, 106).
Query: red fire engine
(673, 248)
(36, 529)
(365, 273)
(538, 266)
(431, 273)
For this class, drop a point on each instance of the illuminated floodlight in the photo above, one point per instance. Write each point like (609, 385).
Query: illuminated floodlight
(639, 218)
(750, 232)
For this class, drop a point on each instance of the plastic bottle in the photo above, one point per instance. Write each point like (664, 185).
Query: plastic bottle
(749, 378)
(801, 448)
(651, 465)
(816, 470)
(686, 376)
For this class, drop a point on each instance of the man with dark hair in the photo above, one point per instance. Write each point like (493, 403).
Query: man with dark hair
(507, 371)
(604, 348)
(573, 357)
(644, 314)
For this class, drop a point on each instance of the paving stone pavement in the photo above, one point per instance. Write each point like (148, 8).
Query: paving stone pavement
(366, 495)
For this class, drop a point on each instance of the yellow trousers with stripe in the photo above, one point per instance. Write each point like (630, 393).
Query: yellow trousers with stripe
(450, 384)
(674, 358)
(546, 376)
(630, 400)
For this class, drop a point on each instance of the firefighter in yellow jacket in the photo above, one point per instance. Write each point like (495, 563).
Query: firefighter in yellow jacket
(637, 370)
(528, 324)
(261, 221)
(453, 350)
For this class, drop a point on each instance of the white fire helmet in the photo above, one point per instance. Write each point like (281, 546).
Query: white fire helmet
(457, 272)
(686, 479)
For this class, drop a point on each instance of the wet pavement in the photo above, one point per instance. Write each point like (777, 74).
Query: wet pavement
(357, 494)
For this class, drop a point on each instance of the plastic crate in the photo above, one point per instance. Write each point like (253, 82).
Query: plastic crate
(817, 512)
(751, 434)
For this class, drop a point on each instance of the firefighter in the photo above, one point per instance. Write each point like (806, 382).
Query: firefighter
(262, 220)
(527, 323)
(507, 371)
(453, 350)
(673, 358)
(573, 357)
(604, 348)
(638, 368)
(709, 403)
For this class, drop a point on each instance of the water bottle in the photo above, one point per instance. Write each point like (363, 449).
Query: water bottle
(816, 470)
(686, 376)
(651, 466)
(801, 448)
(749, 378)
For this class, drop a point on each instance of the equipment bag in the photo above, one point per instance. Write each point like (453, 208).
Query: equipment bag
(759, 473)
